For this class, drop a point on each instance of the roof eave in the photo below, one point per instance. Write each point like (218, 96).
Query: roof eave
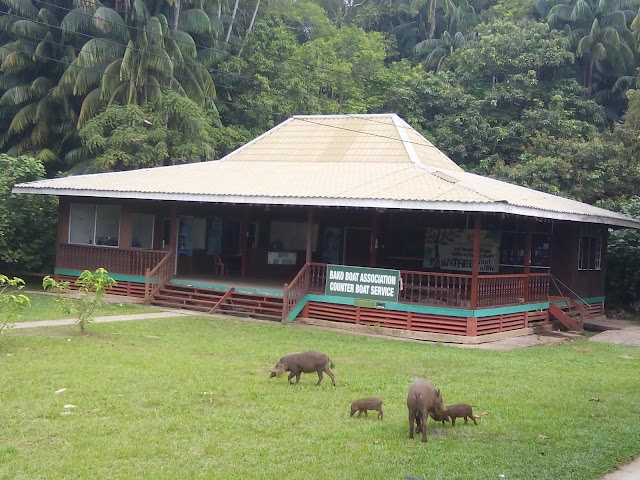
(480, 207)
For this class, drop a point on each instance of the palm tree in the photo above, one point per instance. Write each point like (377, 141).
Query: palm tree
(32, 120)
(437, 49)
(597, 30)
(130, 61)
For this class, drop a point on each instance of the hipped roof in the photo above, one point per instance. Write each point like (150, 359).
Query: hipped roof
(375, 161)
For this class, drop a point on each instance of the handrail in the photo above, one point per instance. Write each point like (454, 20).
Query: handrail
(293, 291)
(156, 278)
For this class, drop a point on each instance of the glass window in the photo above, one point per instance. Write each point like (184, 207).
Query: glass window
(94, 224)
(142, 225)
(589, 252)
(82, 223)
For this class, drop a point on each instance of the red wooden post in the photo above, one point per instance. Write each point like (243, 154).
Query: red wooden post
(126, 229)
(472, 327)
(63, 233)
(309, 250)
(527, 260)
(475, 265)
(245, 243)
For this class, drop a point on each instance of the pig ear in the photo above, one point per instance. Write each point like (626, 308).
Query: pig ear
(438, 392)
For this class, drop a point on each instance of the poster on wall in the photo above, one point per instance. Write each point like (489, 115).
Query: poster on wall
(452, 249)
(185, 236)
(331, 245)
(214, 236)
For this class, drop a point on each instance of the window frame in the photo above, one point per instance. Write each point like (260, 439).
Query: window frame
(593, 254)
(95, 207)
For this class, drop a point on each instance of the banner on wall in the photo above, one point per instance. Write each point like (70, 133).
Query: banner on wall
(452, 249)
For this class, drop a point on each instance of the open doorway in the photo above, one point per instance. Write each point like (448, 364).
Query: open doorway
(357, 246)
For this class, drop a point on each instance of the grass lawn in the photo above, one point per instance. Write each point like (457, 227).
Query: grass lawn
(43, 307)
(192, 398)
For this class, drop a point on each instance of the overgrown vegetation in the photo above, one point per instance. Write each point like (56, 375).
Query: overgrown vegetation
(191, 398)
(11, 302)
(91, 288)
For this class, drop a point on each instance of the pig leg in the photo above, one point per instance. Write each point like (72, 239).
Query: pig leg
(465, 420)
(359, 413)
(298, 377)
(291, 375)
(453, 421)
(330, 373)
(380, 414)
(319, 377)
(366, 415)
(412, 418)
(474, 420)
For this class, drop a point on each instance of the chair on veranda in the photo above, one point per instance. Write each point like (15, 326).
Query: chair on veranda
(219, 267)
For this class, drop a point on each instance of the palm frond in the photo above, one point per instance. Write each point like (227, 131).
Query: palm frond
(111, 79)
(616, 20)
(154, 32)
(140, 11)
(172, 48)
(160, 62)
(154, 91)
(195, 21)
(582, 12)
(22, 7)
(90, 106)
(76, 155)
(88, 78)
(48, 18)
(16, 96)
(98, 50)
(46, 155)
(78, 21)
(110, 24)
(42, 86)
(209, 57)
(185, 43)
(29, 29)
(119, 95)
(624, 83)
(129, 62)
(23, 119)
(559, 16)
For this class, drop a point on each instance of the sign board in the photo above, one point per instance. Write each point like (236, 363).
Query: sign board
(282, 258)
(452, 249)
(362, 282)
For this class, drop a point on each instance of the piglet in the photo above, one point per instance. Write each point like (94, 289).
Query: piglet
(364, 404)
(304, 362)
(460, 410)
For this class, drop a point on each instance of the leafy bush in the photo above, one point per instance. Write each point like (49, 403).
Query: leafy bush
(623, 262)
(91, 290)
(10, 302)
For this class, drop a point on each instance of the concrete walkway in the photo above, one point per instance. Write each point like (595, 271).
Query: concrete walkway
(630, 471)
(109, 318)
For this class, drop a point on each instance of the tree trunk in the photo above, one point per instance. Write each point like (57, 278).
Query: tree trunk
(253, 19)
(433, 4)
(588, 77)
(176, 15)
(233, 19)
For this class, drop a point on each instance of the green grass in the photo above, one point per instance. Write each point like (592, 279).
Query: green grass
(43, 307)
(191, 398)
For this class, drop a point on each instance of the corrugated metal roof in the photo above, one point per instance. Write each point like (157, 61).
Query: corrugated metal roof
(333, 160)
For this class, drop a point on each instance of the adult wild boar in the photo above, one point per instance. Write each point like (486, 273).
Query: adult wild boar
(304, 362)
(422, 399)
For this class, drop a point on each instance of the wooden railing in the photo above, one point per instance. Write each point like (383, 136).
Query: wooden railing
(434, 288)
(114, 260)
(496, 290)
(156, 278)
(311, 279)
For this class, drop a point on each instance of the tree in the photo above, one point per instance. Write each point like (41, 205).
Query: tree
(32, 120)
(172, 130)
(623, 262)
(27, 222)
(10, 302)
(597, 32)
(91, 286)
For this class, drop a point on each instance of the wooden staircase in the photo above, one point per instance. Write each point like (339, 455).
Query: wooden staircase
(569, 313)
(205, 300)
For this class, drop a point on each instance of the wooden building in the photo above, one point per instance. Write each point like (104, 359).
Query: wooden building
(257, 231)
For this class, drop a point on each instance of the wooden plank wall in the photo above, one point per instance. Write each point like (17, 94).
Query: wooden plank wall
(419, 321)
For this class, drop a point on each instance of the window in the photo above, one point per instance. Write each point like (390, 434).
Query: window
(589, 252)
(142, 230)
(94, 224)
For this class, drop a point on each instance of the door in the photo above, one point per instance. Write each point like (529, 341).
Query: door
(357, 246)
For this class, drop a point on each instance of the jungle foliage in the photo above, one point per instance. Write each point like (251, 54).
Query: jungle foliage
(536, 92)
